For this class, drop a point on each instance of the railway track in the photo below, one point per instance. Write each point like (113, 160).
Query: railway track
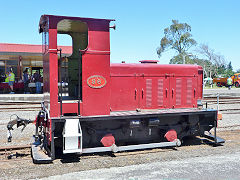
(224, 103)
(222, 100)
(20, 152)
(19, 106)
(20, 109)
(18, 102)
(210, 100)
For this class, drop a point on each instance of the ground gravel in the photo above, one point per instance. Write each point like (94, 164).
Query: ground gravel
(25, 169)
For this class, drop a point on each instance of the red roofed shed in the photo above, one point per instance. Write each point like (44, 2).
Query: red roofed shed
(22, 56)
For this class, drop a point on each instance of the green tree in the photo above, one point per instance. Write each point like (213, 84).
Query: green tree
(178, 38)
(179, 59)
(221, 70)
(229, 67)
(229, 71)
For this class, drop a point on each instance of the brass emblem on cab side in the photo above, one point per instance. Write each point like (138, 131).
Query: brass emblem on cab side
(96, 81)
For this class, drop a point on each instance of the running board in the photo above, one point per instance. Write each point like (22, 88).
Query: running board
(115, 148)
(218, 140)
(38, 156)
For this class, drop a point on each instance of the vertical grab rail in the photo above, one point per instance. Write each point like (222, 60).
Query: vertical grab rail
(79, 79)
(60, 50)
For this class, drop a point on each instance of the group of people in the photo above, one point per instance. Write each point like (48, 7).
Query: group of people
(36, 78)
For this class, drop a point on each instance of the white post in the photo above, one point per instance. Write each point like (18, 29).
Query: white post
(210, 77)
(217, 101)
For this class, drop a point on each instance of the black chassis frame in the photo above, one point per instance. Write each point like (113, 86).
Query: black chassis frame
(209, 124)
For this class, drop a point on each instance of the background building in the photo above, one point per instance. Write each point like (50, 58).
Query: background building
(22, 56)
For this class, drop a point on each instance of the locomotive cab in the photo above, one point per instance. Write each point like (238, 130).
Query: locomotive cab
(78, 84)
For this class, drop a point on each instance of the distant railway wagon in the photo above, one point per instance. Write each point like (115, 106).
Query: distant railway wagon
(223, 81)
(91, 105)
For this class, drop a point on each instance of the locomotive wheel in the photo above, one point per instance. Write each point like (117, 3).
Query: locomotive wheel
(236, 84)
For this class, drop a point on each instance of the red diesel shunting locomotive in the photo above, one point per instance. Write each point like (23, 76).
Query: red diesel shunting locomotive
(91, 105)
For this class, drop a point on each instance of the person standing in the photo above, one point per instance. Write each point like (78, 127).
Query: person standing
(37, 80)
(26, 80)
(11, 78)
(229, 83)
(6, 79)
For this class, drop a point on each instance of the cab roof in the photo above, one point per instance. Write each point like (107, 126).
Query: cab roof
(56, 18)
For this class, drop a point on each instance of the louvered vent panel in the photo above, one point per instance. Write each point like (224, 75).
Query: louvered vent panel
(148, 93)
(160, 92)
(178, 92)
(189, 91)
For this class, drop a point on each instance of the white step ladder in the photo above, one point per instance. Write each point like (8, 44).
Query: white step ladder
(72, 136)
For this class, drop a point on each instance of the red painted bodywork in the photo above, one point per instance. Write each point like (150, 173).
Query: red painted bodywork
(154, 86)
(127, 87)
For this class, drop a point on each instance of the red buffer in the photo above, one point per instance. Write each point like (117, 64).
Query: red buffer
(108, 140)
(171, 135)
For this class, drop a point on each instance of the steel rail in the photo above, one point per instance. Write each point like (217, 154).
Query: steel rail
(5, 148)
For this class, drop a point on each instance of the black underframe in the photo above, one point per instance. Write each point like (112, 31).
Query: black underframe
(210, 112)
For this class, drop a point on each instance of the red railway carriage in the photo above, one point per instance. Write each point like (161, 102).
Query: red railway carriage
(91, 105)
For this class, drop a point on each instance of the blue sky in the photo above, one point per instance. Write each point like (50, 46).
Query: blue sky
(139, 24)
